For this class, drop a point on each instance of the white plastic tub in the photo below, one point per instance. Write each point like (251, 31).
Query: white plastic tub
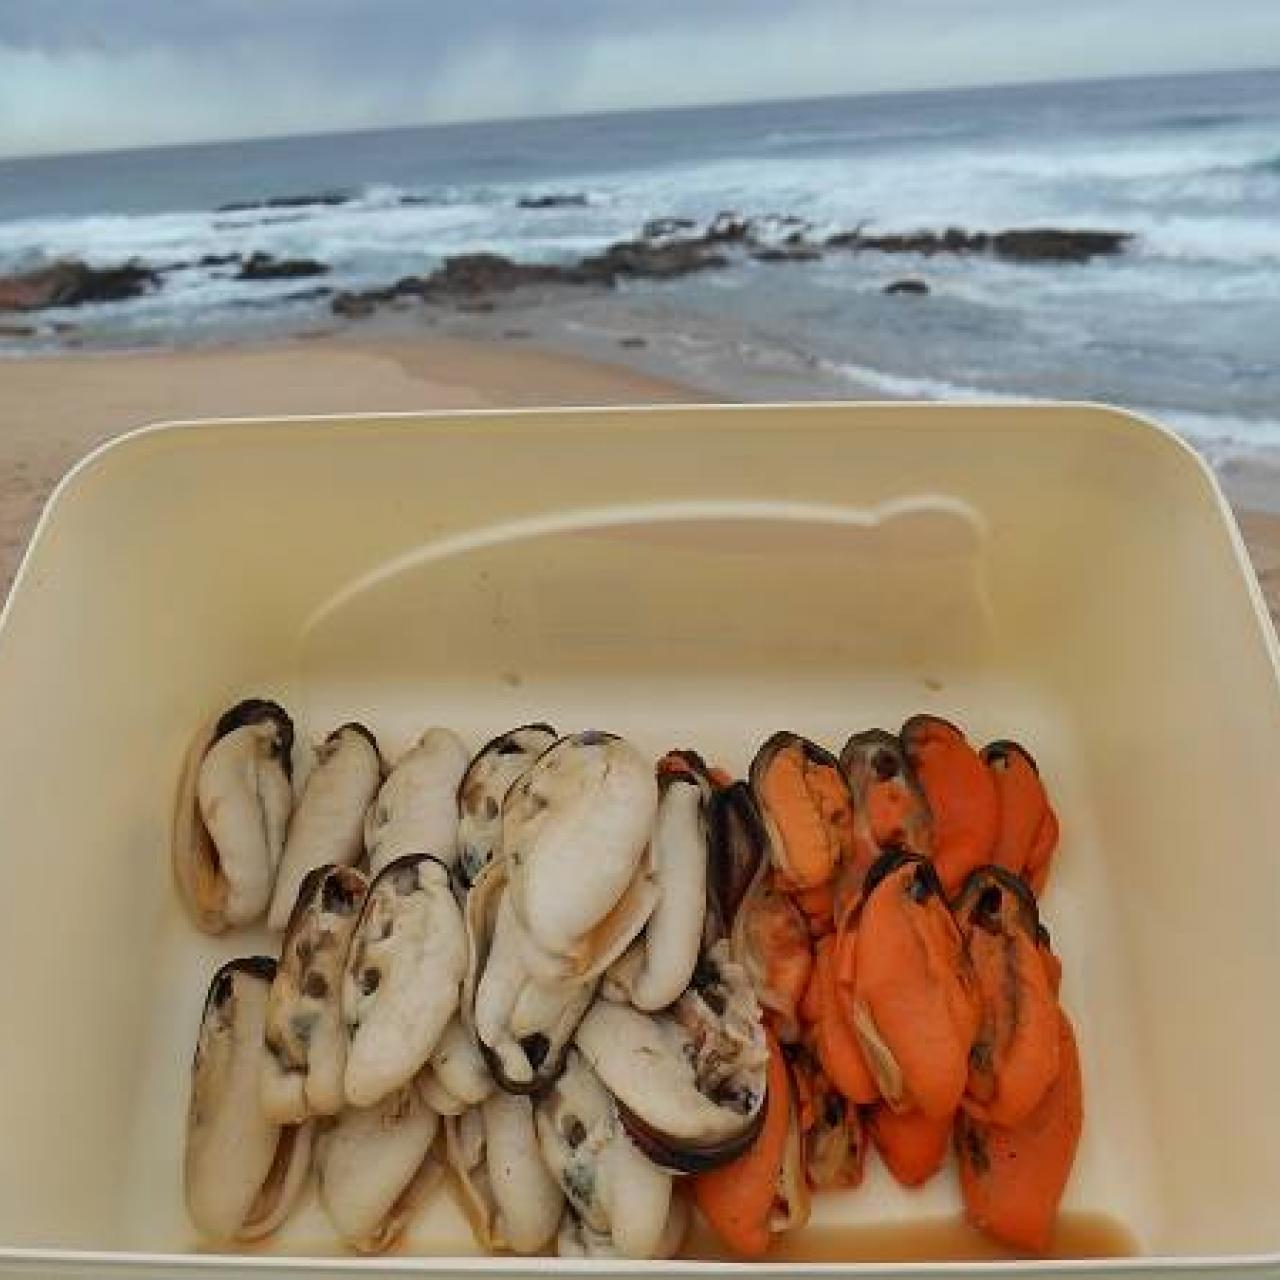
(1069, 576)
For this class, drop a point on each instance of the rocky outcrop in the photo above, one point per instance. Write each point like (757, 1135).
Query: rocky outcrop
(554, 200)
(952, 240)
(908, 285)
(792, 252)
(263, 266)
(728, 227)
(471, 275)
(287, 202)
(73, 283)
(471, 278)
(1030, 244)
(644, 259)
(1053, 244)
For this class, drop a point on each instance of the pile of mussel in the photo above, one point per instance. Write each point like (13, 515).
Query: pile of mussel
(598, 993)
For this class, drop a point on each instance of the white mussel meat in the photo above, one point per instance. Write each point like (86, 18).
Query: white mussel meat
(376, 1167)
(523, 1026)
(575, 829)
(483, 788)
(621, 1198)
(416, 808)
(305, 1046)
(403, 977)
(660, 963)
(328, 821)
(509, 1194)
(242, 1171)
(690, 1082)
(234, 799)
(456, 1076)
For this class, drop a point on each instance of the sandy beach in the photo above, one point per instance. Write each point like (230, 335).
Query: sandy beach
(54, 410)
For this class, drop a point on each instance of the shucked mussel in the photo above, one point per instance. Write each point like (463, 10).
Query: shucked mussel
(416, 808)
(599, 991)
(403, 977)
(234, 801)
(305, 1041)
(690, 1081)
(483, 788)
(327, 825)
(243, 1171)
(571, 890)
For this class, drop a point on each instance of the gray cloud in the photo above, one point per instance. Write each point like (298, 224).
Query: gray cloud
(93, 73)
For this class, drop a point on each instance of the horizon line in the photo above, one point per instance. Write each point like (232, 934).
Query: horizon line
(661, 108)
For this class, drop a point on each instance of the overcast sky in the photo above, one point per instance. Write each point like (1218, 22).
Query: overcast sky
(82, 74)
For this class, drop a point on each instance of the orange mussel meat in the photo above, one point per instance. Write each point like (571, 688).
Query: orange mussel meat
(1014, 1059)
(961, 795)
(828, 1009)
(1028, 829)
(912, 1144)
(807, 809)
(890, 810)
(763, 1190)
(1013, 1178)
(915, 1007)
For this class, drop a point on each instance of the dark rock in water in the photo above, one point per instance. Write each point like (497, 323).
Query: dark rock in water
(643, 259)
(957, 240)
(909, 285)
(728, 227)
(17, 331)
(633, 340)
(469, 275)
(263, 266)
(1053, 244)
(553, 200)
(952, 240)
(287, 202)
(1029, 244)
(408, 287)
(354, 306)
(205, 261)
(798, 251)
(71, 283)
(660, 228)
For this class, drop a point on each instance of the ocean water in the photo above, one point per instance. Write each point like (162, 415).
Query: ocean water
(1185, 324)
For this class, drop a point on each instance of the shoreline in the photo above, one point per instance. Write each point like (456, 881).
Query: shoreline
(57, 408)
